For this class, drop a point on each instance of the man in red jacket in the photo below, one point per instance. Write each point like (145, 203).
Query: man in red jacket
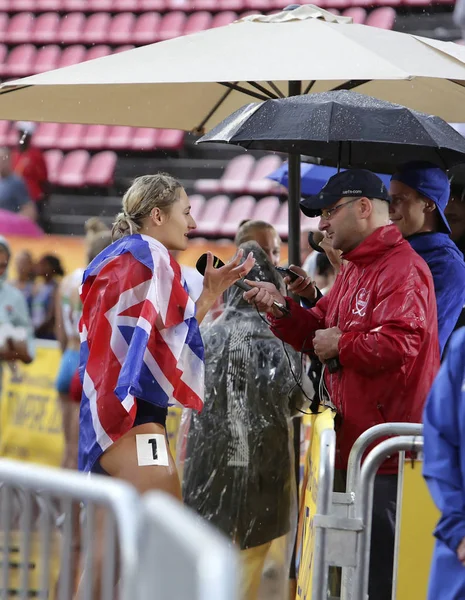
(376, 332)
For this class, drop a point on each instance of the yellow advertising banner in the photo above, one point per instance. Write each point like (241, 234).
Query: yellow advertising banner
(30, 414)
(306, 533)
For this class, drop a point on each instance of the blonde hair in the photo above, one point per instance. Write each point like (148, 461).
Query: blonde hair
(98, 237)
(145, 194)
(247, 230)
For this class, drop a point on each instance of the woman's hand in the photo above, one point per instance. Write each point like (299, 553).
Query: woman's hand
(303, 286)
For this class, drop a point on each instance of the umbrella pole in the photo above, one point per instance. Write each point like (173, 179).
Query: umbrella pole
(295, 89)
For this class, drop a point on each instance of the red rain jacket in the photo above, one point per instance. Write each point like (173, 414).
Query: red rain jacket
(383, 301)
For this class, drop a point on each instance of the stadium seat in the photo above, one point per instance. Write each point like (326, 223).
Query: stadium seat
(123, 48)
(119, 138)
(144, 138)
(73, 169)
(146, 29)
(121, 28)
(172, 25)
(258, 182)
(223, 18)
(256, 5)
(384, 18)
(240, 209)
(197, 202)
(357, 13)
(159, 5)
(3, 55)
(281, 221)
(20, 60)
(47, 59)
(97, 52)
(52, 5)
(4, 131)
(47, 135)
(210, 5)
(71, 136)
(18, 6)
(75, 5)
(101, 169)
(212, 216)
(95, 138)
(5, 5)
(72, 55)
(280, 4)
(170, 139)
(237, 174)
(71, 28)
(20, 29)
(266, 209)
(3, 24)
(53, 160)
(100, 5)
(183, 5)
(231, 5)
(46, 28)
(125, 5)
(198, 21)
(96, 28)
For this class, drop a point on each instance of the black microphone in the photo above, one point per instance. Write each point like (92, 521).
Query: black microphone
(333, 365)
(201, 265)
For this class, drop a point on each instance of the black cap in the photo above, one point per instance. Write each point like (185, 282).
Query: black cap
(350, 183)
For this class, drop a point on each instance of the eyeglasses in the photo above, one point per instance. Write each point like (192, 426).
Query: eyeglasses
(327, 213)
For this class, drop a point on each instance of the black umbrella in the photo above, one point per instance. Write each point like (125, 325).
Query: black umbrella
(343, 129)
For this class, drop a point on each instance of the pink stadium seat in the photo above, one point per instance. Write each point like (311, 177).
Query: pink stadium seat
(231, 5)
(3, 55)
(71, 136)
(46, 28)
(159, 5)
(20, 60)
(237, 174)
(266, 209)
(96, 28)
(47, 59)
(75, 5)
(184, 5)
(144, 138)
(123, 48)
(258, 182)
(98, 52)
(340, 4)
(357, 13)
(53, 160)
(101, 169)
(280, 4)
(146, 29)
(73, 169)
(241, 208)
(5, 5)
(170, 139)
(120, 138)
(72, 55)
(172, 25)
(223, 18)
(4, 131)
(100, 5)
(121, 28)
(47, 135)
(20, 29)
(52, 5)
(256, 5)
(197, 202)
(281, 221)
(95, 137)
(125, 5)
(71, 28)
(384, 18)
(3, 25)
(210, 5)
(212, 186)
(212, 216)
(22, 5)
(198, 21)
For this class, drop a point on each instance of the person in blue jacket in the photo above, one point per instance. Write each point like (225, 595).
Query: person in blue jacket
(444, 471)
(420, 192)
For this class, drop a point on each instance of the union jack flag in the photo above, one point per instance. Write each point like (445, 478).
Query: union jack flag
(139, 339)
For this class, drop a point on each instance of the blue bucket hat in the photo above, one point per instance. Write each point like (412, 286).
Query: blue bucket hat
(429, 181)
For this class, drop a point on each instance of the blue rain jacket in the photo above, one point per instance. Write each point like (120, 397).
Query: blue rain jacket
(444, 470)
(447, 266)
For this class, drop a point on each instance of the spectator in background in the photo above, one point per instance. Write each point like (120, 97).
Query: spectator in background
(420, 192)
(29, 163)
(264, 234)
(13, 191)
(44, 303)
(325, 275)
(25, 276)
(455, 214)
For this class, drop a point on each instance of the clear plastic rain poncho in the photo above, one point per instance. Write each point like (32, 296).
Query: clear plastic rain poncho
(238, 469)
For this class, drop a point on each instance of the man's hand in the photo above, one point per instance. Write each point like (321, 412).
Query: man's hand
(461, 552)
(303, 286)
(263, 295)
(326, 343)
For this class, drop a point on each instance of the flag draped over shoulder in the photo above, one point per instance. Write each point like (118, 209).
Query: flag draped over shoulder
(139, 339)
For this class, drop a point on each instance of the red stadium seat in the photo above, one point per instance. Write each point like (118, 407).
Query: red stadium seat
(52, 5)
(266, 209)
(72, 55)
(47, 59)
(212, 216)
(71, 28)
(101, 169)
(71, 136)
(223, 18)
(384, 18)
(20, 60)
(96, 28)
(197, 202)
(198, 21)
(98, 52)
(241, 208)
(120, 138)
(3, 55)
(170, 139)
(47, 135)
(144, 138)
(258, 182)
(20, 29)
(53, 160)
(121, 28)
(146, 29)
(73, 169)
(281, 221)
(237, 174)
(95, 137)
(158, 5)
(172, 25)
(46, 28)
(357, 13)
(4, 131)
